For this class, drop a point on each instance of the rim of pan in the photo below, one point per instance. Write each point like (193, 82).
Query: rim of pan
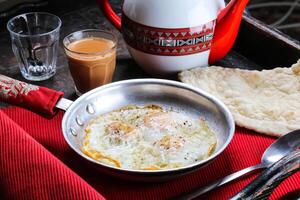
(198, 91)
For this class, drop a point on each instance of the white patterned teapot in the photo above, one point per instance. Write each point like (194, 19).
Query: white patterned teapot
(167, 36)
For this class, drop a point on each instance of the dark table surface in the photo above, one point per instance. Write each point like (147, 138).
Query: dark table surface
(90, 17)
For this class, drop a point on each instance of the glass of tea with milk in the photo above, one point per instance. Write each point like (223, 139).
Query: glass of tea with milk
(91, 55)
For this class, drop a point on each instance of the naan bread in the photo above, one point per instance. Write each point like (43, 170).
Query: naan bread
(266, 101)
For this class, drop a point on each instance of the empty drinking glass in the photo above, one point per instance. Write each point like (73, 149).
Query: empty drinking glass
(35, 39)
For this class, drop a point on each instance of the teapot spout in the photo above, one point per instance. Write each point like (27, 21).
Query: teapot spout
(227, 27)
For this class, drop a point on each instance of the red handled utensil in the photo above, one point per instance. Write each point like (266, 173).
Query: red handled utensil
(165, 93)
(36, 98)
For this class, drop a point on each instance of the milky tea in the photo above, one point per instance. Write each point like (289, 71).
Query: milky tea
(92, 62)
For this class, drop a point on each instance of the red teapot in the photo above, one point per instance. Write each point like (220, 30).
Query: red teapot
(167, 36)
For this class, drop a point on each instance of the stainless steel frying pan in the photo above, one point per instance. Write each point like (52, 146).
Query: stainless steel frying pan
(168, 94)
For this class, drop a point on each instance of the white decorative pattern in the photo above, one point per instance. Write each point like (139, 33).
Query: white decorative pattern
(165, 41)
(12, 88)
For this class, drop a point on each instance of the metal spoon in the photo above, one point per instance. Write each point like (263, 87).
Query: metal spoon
(277, 150)
(32, 58)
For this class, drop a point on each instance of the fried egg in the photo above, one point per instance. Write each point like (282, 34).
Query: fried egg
(148, 138)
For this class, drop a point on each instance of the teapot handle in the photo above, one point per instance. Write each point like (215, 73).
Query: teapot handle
(225, 10)
(227, 27)
(109, 13)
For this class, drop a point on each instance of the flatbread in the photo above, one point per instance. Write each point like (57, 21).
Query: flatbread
(266, 101)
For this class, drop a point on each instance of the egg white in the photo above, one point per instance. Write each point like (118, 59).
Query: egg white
(148, 138)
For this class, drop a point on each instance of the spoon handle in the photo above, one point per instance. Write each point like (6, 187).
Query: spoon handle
(263, 185)
(197, 192)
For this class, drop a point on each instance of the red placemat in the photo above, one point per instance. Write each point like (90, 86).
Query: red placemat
(36, 163)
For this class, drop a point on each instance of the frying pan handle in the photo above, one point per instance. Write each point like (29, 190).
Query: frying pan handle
(35, 98)
(63, 104)
(263, 185)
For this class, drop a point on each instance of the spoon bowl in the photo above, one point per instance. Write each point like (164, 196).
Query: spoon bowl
(281, 148)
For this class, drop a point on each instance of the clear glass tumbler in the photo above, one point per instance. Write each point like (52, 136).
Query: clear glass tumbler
(35, 40)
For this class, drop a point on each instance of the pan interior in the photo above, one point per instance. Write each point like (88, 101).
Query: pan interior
(167, 94)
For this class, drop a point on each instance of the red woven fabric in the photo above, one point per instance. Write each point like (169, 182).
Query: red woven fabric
(36, 163)
(40, 99)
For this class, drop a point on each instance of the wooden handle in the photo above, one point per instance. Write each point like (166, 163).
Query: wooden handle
(263, 186)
